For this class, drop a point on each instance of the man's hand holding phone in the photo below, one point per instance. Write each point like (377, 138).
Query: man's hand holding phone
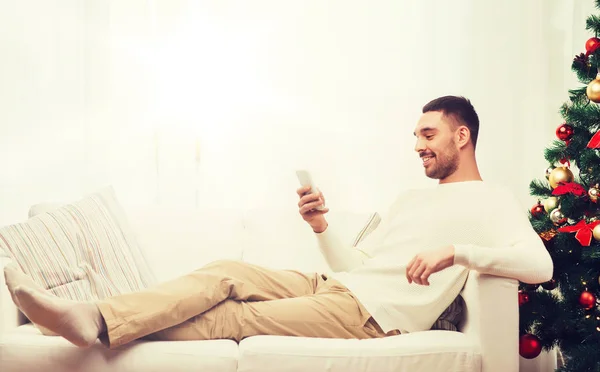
(312, 203)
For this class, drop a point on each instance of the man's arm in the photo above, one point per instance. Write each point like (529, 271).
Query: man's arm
(525, 259)
(338, 256)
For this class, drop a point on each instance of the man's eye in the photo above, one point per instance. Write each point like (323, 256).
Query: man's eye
(429, 137)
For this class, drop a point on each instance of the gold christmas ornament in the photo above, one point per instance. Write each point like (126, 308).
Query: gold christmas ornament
(550, 203)
(548, 172)
(560, 174)
(596, 232)
(557, 217)
(593, 89)
(594, 192)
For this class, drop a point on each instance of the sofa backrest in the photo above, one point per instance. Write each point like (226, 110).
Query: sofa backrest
(282, 239)
(178, 240)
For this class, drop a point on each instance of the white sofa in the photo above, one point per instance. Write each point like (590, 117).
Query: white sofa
(176, 241)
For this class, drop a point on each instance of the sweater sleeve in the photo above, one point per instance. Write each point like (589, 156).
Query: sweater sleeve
(339, 257)
(525, 258)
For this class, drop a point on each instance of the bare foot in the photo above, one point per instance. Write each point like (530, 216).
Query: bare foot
(78, 322)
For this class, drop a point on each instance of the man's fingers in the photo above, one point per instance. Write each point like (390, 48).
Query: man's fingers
(409, 268)
(307, 199)
(417, 274)
(302, 190)
(323, 211)
(414, 267)
(310, 206)
(425, 276)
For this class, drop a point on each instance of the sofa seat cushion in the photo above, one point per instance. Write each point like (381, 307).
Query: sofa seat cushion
(26, 349)
(422, 351)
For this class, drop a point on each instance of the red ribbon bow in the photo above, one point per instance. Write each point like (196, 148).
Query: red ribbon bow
(582, 230)
(571, 187)
(595, 141)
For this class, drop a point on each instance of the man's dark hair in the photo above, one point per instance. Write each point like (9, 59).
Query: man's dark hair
(458, 108)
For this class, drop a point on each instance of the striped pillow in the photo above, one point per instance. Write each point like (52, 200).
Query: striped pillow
(80, 251)
(451, 317)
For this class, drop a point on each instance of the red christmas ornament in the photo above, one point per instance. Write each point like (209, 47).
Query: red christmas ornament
(587, 300)
(529, 346)
(523, 298)
(592, 45)
(564, 132)
(538, 210)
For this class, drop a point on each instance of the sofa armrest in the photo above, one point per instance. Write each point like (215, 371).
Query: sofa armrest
(10, 316)
(492, 320)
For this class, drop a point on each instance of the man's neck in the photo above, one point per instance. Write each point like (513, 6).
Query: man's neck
(468, 173)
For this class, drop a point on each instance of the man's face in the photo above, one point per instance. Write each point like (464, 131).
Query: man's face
(436, 145)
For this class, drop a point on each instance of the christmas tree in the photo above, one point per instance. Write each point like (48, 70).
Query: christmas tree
(564, 312)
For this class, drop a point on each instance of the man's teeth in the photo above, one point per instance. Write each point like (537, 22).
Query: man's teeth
(426, 158)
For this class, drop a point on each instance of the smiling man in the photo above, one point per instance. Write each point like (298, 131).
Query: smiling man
(448, 124)
(399, 280)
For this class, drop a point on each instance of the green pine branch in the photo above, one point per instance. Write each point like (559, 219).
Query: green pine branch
(578, 96)
(593, 24)
(540, 189)
(555, 152)
(589, 164)
(581, 116)
(541, 225)
(583, 358)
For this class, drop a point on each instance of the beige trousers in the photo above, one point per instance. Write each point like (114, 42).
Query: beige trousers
(235, 300)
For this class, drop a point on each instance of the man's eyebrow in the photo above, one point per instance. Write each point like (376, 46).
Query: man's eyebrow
(426, 129)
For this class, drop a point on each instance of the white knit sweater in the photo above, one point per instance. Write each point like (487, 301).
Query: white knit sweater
(488, 228)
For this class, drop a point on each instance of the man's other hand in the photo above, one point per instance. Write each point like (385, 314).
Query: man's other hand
(424, 264)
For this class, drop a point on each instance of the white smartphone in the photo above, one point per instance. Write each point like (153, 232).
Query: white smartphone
(306, 180)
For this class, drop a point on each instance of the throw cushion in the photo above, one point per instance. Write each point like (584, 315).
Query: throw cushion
(81, 251)
(43, 208)
(451, 317)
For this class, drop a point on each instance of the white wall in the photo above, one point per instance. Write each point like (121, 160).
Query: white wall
(216, 103)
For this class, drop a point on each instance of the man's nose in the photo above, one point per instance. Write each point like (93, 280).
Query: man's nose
(419, 146)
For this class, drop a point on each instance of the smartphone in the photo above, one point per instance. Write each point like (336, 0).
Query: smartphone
(306, 180)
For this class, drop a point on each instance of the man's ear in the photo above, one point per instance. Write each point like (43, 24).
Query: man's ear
(463, 136)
